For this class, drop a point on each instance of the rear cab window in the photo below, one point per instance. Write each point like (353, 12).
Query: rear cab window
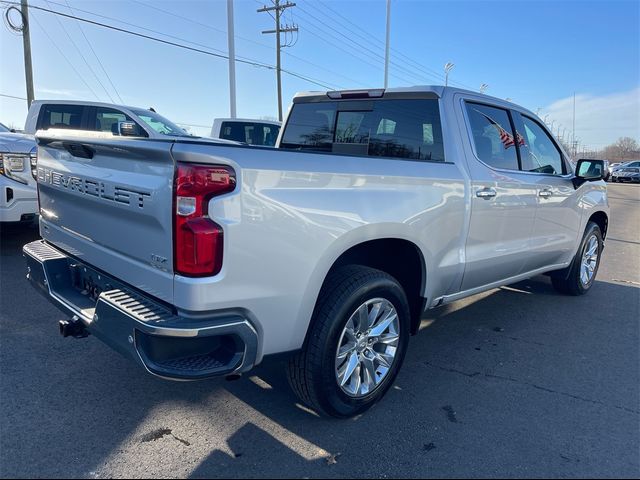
(395, 128)
(253, 133)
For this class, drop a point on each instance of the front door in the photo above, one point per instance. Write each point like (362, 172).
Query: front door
(503, 203)
(556, 228)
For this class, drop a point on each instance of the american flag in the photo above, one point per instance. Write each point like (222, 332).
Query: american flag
(505, 137)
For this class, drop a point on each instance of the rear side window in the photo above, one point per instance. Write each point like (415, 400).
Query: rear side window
(251, 133)
(493, 136)
(61, 116)
(408, 128)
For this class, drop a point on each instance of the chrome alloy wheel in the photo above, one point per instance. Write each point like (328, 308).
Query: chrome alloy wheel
(367, 347)
(589, 261)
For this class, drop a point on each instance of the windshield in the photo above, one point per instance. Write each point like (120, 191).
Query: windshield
(160, 124)
(3, 129)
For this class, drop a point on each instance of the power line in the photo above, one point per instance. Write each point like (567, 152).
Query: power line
(371, 38)
(94, 54)
(12, 96)
(343, 47)
(362, 49)
(178, 45)
(312, 30)
(270, 47)
(63, 55)
(81, 55)
(375, 39)
(196, 43)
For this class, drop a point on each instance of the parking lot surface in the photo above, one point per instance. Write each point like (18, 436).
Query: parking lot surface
(518, 381)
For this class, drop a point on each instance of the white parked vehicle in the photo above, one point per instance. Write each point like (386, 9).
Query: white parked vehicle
(100, 117)
(245, 130)
(18, 195)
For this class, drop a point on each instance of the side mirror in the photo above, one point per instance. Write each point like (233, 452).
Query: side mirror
(130, 129)
(588, 170)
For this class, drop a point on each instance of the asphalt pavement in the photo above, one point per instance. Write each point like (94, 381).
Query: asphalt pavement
(515, 382)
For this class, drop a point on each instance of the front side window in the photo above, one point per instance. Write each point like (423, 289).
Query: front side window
(408, 128)
(493, 136)
(538, 153)
(61, 116)
(106, 119)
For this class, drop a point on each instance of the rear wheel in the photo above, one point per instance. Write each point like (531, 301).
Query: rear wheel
(581, 275)
(356, 343)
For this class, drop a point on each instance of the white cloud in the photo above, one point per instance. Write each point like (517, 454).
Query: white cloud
(600, 120)
(60, 92)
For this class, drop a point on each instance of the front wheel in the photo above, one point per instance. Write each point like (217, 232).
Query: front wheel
(581, 275)
(356, 343)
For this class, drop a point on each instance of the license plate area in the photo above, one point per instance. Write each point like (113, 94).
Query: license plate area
(89, 283)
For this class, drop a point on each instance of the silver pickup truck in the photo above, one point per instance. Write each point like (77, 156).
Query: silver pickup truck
(198, 259)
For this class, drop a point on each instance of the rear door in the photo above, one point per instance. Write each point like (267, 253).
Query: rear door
(109, 202)
(503, 199)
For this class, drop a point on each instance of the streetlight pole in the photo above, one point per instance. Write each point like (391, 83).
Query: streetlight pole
(232, 60)
(386, 51)
(447, 68)
(483, 87)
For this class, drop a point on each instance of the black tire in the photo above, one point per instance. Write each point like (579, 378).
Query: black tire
(568, 281)
(312, 373)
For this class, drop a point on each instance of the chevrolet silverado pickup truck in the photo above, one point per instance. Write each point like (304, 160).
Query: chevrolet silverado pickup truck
(198, 259)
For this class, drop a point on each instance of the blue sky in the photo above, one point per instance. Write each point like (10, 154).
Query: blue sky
(537, 53)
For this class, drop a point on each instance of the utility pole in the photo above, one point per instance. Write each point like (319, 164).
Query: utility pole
(232, 59)
(386, 51)
(278, 9)
(26, 42)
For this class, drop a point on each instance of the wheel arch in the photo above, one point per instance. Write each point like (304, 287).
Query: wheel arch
(399, 257)
(601, 219)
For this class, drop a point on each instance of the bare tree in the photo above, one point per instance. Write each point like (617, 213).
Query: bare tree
(625, 148)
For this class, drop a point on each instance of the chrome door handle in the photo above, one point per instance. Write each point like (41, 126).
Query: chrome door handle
(486, 193)
(546, 193)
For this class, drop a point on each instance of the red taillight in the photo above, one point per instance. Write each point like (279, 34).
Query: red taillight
(198, 239)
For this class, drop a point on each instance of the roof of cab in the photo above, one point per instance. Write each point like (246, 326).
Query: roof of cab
(424, 91)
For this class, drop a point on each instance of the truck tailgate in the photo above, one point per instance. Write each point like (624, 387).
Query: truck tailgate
(109, 202)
